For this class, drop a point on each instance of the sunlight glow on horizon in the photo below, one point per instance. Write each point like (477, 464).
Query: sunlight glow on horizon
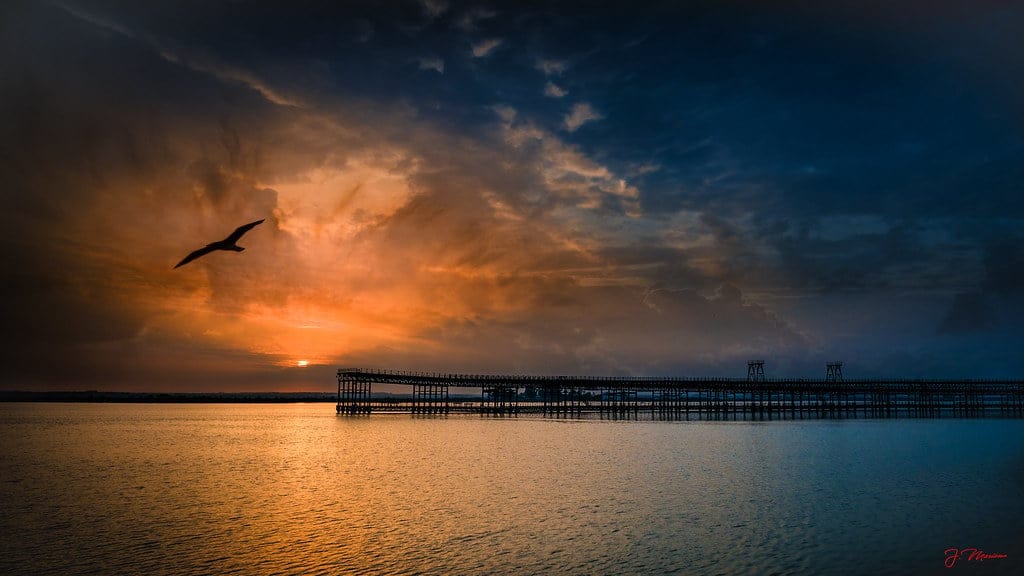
(463, 217)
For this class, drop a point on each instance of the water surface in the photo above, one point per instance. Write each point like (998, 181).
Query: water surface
(183, 489)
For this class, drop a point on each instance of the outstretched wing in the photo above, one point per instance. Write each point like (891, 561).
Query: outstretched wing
(240, 231)
(196, 254)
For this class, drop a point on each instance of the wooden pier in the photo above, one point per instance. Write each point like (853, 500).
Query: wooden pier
(753, 398)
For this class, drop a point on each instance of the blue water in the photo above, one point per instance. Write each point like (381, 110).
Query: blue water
(260, 489)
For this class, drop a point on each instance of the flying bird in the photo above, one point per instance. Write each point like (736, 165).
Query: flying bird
(225, 244)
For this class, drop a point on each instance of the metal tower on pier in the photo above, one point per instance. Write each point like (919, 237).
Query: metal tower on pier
(755, 371)
(834, 372)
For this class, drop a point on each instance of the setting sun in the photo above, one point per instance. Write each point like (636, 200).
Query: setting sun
(302, 363)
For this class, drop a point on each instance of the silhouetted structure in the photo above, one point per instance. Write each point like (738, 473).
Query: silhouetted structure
(430, 397)
(683, 398)
(353, 395)
(755, 371)
(500, 398)
(758, 394)
(834, 372)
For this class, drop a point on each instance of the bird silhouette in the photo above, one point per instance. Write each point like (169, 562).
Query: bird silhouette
(225, 244)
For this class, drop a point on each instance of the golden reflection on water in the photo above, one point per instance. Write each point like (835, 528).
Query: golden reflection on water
(184, 489)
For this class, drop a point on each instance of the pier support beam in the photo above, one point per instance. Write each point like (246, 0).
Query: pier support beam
(707, 398)
(562, 398)
(756, 387)
(353, 395)
(500, 399)
(619, 401)
(667, 401)
(430, 398)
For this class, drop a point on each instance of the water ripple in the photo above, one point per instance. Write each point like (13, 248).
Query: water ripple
(237, 489)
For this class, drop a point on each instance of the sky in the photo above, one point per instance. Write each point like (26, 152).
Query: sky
(632, 188)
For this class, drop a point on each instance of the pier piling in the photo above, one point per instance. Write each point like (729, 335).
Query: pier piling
(755, 397)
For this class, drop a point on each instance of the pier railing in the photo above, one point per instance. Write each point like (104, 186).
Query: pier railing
(672, 397)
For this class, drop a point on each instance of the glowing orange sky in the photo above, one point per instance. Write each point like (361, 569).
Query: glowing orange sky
(454, 194)
(372, 250)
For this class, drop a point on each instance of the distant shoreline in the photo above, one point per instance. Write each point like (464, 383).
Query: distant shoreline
(168, 397)
(98, 397)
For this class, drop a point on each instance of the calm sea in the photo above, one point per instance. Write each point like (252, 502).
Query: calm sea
(288, 489)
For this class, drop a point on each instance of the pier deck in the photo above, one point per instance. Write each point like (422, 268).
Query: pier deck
(677, 397)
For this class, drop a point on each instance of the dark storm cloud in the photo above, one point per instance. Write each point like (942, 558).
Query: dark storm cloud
(764, 103)
(1004, 266)
(91, 111)
(600, 187)
(658, 332)
(996, 305)
(969, 312)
